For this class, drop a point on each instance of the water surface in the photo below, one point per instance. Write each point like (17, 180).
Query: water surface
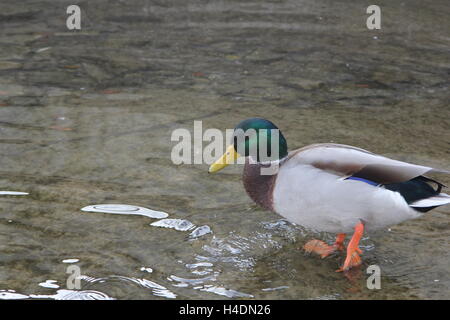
(86, 118)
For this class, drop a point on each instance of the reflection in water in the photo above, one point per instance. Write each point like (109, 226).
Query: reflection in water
(184, 282)
(49, 284)
(11, 295)
(125, 209)
(146, 269)
(276, 288)
(229, 293)
(200, 231)
(80, 125)
(13, 193)
(177, 224)
(110, 281)
(327, 297)
(62, 294)
(157, 290)
(75, 295)
(74, 260)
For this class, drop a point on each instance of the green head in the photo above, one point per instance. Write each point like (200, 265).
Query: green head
(258, 138)
(255, 137)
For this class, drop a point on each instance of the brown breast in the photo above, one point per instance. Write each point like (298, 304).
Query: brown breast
(259, 187)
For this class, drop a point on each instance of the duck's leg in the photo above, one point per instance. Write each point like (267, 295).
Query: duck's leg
(339, 243)
(322, 249)
(353, 259)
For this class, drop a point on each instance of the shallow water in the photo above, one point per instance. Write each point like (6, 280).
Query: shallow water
(86, 118)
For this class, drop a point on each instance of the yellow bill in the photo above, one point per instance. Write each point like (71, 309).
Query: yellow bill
(227, 158)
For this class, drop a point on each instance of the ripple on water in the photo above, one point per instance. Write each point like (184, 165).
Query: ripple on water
(230, 293)
(11, 295)
(65, 294)
(201, 284)
(13, 193)
(285, 229)
(125, 209)
(200, 231)
(193, 282)
(70, 260)
(275, 289)
(49, 284)
(157, 289)
(177, 224)
(199, 264)
(61, 294)
(146, 269)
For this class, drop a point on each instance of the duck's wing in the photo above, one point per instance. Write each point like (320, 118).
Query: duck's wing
(346, 160)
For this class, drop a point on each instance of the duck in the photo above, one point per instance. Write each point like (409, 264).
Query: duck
(329, 187)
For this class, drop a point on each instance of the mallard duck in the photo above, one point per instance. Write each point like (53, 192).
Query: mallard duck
(330, 187)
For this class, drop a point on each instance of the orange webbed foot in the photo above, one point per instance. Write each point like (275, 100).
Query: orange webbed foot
(323, 249)
(353, 259)
(319, 247)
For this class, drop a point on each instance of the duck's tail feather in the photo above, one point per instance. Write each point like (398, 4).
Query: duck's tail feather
(427, 204)
(419, 194)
